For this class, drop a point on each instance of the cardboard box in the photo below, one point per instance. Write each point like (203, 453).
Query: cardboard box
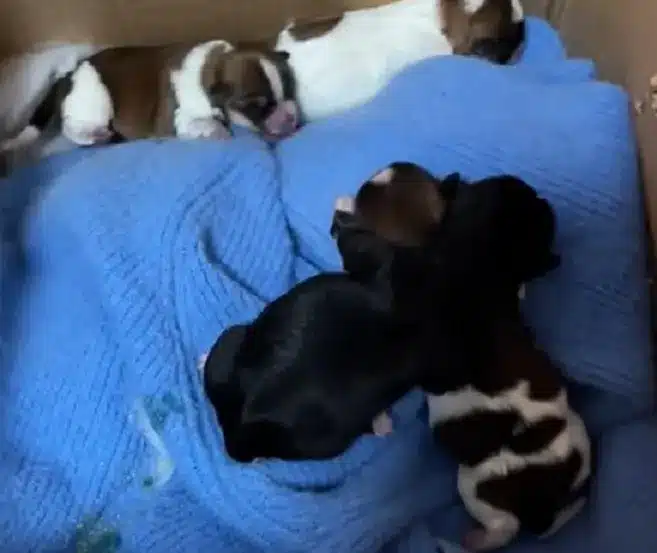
(618, 35)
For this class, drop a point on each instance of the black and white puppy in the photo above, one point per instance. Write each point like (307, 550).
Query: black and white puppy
(496, 401)
(306, 378)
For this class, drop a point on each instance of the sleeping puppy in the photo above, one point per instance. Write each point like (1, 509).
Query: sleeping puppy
(306, 378)
(345, 61)
(496, 401)
(178, 90)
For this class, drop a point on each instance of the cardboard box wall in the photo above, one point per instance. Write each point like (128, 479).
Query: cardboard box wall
(620, 36)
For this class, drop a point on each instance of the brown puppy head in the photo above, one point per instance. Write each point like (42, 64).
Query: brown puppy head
(401, 203)
(490, 29)
(253, 88)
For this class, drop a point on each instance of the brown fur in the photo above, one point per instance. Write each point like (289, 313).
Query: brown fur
(305, 30)
(403, 209)
(137, 79)
(235, 74)
(492, 22)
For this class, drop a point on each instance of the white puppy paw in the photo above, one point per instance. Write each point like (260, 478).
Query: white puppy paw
(201, 127)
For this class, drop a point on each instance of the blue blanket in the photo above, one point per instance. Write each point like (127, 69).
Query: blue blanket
(121, 265)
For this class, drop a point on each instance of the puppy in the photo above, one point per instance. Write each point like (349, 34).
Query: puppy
(496, 401)
(178, 90)
(306, 378)
(489, 29)
(343, 62)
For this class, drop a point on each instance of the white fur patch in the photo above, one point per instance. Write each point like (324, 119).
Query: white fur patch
(274, 77)
(192, 100)
(203, 127)
(518, 13)
(473, 6)
(351, 63)
(382, 424)
(88, 109)
(201, 363)
(383, 177)
(346, 204)
(467, 400)
(500, 526)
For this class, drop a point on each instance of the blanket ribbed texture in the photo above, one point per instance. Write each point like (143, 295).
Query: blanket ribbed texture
(121, 265)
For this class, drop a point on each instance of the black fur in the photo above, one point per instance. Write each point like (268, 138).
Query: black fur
(306, 378)
(495, 234)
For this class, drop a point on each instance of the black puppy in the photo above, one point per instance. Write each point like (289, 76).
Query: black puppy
(496, 401)
(306, 378)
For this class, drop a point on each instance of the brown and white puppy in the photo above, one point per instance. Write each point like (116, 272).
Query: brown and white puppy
(496, 401)
(342, 62)
(177, 90)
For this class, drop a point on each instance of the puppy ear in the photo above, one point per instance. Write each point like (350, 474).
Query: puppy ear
(364, 254)
(448, 186)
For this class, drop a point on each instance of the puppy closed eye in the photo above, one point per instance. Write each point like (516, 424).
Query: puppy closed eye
(255, 101)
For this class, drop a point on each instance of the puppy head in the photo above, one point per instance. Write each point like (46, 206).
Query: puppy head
(256, 89)
(490, 29)
(500, 227)
(393, 213)
(308, 376)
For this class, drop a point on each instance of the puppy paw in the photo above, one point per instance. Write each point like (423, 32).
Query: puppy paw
(382, 424)
(86, 134)
(495, 535)
(202, 127)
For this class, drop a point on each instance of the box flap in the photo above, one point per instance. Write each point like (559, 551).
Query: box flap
(26, 23)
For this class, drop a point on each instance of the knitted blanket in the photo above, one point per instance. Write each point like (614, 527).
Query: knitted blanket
(121, 265)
